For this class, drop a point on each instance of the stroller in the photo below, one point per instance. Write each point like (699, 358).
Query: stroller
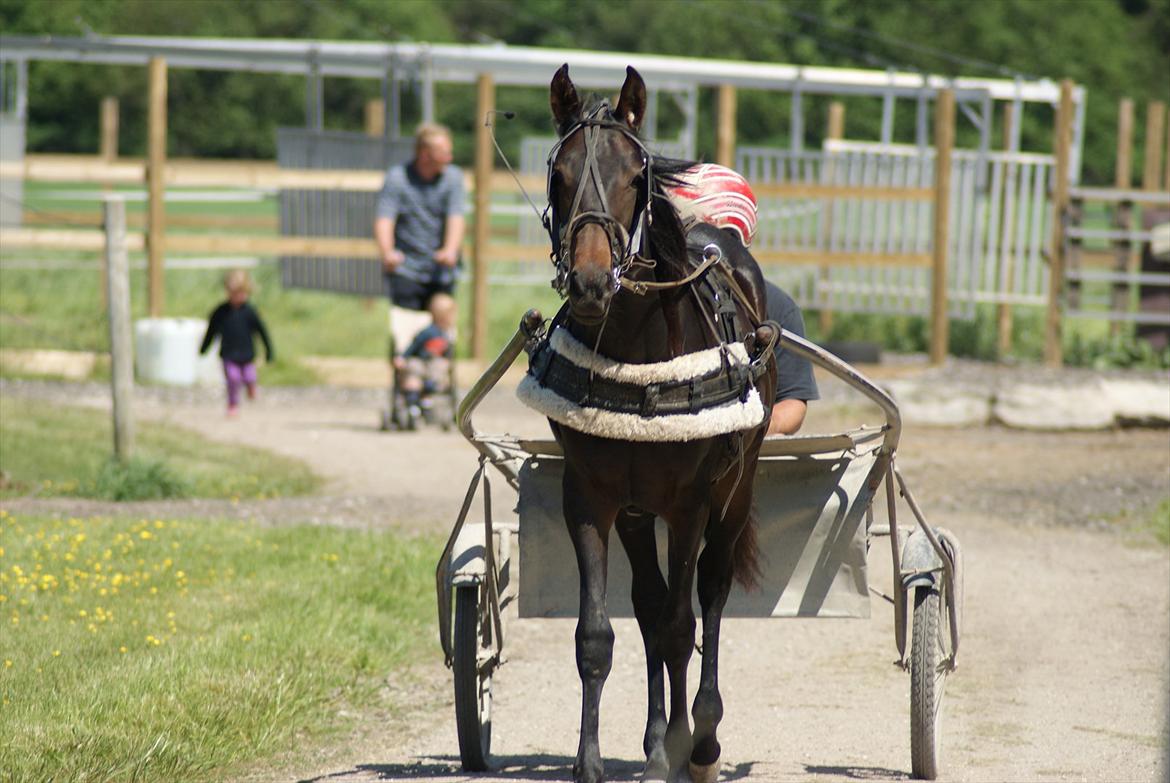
(432, 400)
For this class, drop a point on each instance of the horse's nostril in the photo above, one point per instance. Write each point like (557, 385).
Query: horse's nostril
(575, 287)
(582, 284)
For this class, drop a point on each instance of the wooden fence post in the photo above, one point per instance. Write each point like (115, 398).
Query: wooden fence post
(121, 347)
(108, 150)
(944, 142)
(835, 132)
(725, 131)
(109, 129)
(1123, 210)
(156, 146)
(376, 118)
(1053, 348)
(1166, 173)
(485, 103)
(1152, 171)
(1004, 310)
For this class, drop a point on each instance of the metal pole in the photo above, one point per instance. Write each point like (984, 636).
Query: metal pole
(692, 112)
(428, 93)
(311, 75)
(1076, 156)
(944, 142)
(485, 103)
(650, 118)
(796, 126)
(121, 347)
(156, 184)
(1053, 349)
(21, 107)
(922, 117)
(887, 136)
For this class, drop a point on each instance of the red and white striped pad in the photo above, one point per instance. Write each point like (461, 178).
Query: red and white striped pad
(717, 195)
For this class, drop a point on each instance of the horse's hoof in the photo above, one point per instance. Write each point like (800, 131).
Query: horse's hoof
(705, 773)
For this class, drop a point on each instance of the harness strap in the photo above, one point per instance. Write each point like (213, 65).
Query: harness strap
(728, 383)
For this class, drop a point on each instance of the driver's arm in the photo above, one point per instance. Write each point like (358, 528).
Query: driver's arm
(787, 417)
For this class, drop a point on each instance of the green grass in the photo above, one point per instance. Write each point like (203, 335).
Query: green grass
(60, 309)
(1145, 526)
(180, 649)
(1159, 523)
(39, 197)
(51, 450)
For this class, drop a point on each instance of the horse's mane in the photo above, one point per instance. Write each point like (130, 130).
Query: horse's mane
(667, 239)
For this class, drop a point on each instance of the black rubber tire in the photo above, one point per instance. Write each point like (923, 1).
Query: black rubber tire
(473, 690)
(929, 643)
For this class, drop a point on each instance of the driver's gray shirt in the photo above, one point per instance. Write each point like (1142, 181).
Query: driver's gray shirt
(419, 209)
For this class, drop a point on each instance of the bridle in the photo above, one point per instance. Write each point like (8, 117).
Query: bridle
(627, 244)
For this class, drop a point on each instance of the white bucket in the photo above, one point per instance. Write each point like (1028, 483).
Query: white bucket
(166, 351)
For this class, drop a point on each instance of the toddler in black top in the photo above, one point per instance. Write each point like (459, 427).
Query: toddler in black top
(235, 321)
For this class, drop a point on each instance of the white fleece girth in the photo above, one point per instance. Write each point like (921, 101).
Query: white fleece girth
(733, 416)
(685, 367)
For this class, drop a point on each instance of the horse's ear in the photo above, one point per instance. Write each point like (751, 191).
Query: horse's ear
(562, 97)
(631, 107)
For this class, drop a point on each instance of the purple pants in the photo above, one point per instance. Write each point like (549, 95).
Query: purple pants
(238, 375)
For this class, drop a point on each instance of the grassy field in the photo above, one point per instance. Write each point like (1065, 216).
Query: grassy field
(181, 649)
(60, 308)
(51, 450)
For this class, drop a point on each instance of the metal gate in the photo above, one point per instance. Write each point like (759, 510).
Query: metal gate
(333, 213)
(880, 246)
(999, 215)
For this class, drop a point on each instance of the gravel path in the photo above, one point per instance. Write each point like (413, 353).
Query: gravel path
(1064, 667)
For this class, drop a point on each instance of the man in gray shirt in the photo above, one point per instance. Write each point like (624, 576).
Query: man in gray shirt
(419, 222)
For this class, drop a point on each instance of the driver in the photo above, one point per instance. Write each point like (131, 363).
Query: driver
(795, 384)
(714, 194)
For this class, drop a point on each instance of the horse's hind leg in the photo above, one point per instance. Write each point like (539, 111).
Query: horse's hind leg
(589, 522)
(716, 569)
(648, 593)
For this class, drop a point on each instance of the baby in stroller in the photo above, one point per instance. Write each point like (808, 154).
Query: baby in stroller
(423, 369)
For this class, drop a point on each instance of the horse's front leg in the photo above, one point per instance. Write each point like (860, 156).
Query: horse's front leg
(716, 569)
(648, 594)
(676, 628)
(589, 520)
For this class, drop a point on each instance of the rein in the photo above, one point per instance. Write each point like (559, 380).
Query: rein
(622, 241)
(627, 246)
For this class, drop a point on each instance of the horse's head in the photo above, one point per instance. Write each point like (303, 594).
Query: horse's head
(598, 187)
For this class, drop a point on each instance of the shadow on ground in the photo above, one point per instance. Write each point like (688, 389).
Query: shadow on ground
(527, 767)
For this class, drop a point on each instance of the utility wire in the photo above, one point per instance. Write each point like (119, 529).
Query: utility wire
(62, 219)
(877, 61)
(930, 51)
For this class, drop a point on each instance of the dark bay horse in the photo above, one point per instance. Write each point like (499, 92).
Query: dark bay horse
(635, 298)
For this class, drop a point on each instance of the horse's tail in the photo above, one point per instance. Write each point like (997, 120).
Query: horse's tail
(745, 561)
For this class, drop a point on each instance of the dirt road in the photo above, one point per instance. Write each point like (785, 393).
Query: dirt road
(1062, 675)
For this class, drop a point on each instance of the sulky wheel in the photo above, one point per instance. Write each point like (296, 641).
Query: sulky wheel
(929, 665)
(473, 682)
